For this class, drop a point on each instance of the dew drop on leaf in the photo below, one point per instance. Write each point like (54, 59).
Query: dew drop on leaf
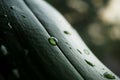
(12, 7)
(5, 15)
(66, 32)
(89, 63)
(79, 51)
(3, 50)
(53, 41)
(9, 25)
(108, 75)
(23, 16)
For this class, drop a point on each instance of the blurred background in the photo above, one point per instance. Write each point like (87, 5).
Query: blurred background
(98, 23)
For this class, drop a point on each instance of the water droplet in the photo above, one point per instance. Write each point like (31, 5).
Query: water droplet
(5, 15)
(16, 73)
(3, 50)
(12, 7)
(23, 16)
(108, 75)
(53, 41)
(86, 51)
(79, 51)
(66, 32)
(89, 63)
(9, 25)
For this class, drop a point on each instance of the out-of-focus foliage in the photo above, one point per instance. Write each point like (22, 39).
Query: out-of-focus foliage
(98, 23)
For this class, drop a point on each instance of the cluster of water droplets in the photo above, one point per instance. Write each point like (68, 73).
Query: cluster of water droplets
(107, 75)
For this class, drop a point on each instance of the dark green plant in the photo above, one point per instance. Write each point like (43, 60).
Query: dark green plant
(35, 45)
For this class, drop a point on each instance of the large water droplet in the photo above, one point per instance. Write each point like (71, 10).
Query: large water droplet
(53, 41)
(3, 50)
(108, 75)
(86, 51)
(9, 25)
(16, 73)
(66, 32)
(89, 63)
